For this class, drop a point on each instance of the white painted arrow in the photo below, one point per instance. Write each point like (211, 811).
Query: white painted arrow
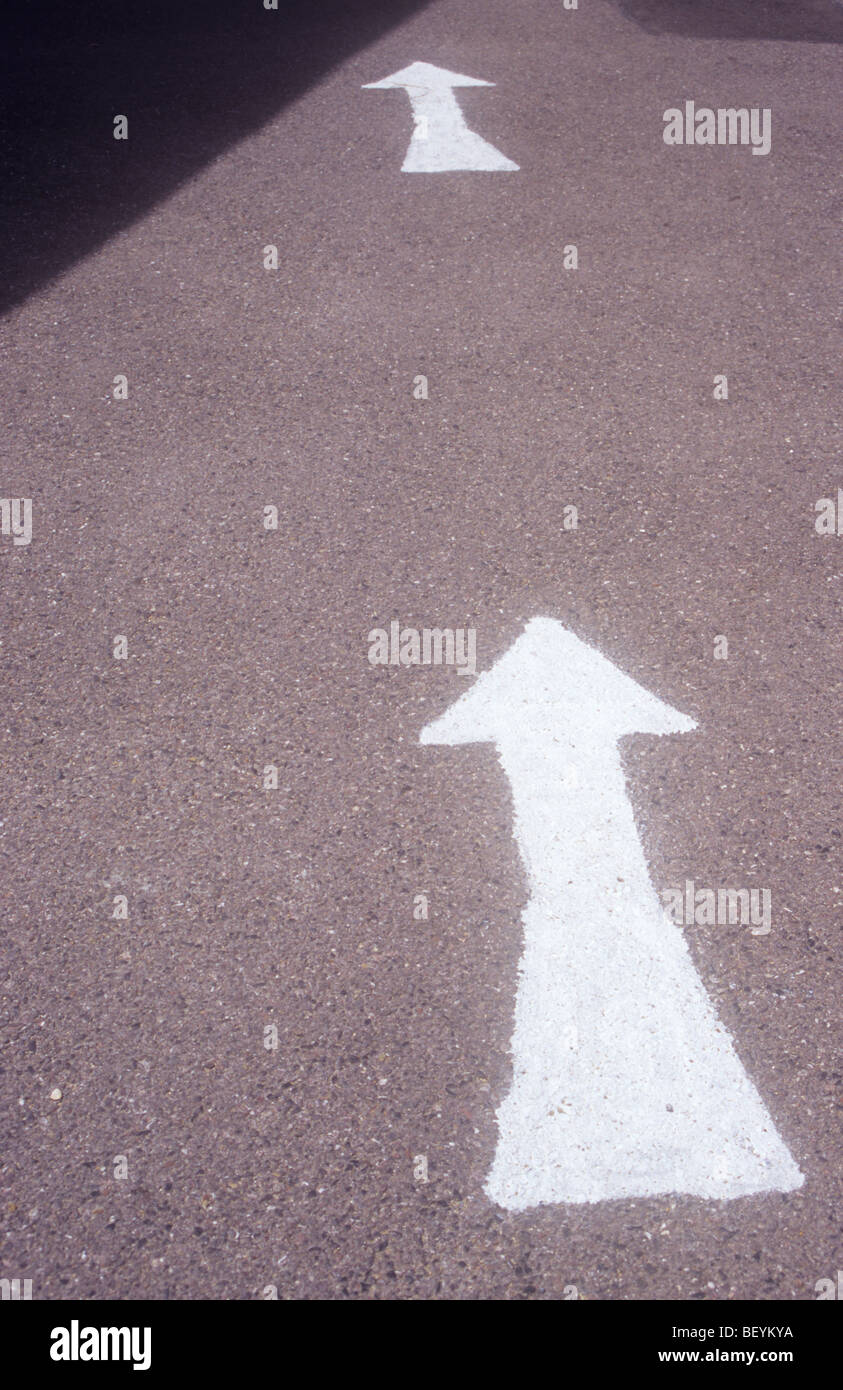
(441, 139)
(625, 1083)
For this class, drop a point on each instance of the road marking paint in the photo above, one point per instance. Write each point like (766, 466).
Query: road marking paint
(625, 1082)
(441, 142)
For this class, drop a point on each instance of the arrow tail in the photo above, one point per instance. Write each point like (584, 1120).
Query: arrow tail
(624, 1082)
(467, 151)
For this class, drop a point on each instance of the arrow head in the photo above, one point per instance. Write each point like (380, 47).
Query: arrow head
(428, 78)
(550, 684)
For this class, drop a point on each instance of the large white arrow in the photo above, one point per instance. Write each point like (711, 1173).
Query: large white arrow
(441, 139)
(625, 1083)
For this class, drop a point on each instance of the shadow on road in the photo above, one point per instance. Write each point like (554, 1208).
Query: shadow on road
(192, 76)
(195, 76)
(805, 21)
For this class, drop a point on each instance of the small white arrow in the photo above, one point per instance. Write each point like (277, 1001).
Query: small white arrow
(441, 139)
(625, 1083)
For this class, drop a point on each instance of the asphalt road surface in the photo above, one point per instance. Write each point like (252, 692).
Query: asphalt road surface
(239, 1060)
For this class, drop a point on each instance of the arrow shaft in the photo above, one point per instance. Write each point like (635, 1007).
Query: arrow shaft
(623, 1083)
(575, 826)
(440, 109)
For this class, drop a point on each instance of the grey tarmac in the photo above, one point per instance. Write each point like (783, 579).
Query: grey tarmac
(294, 1168)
